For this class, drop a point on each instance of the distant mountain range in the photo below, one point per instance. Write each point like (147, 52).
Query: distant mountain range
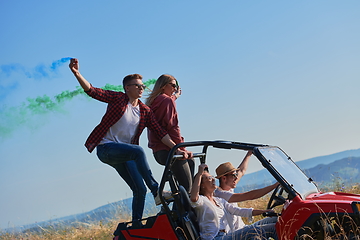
(339, 168)
(312, 162)
(346, 170)
(342, 167)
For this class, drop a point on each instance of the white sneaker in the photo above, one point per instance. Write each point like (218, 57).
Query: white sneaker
(166, 194)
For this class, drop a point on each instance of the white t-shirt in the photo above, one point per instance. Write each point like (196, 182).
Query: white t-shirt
(238, 223)
(124, 130)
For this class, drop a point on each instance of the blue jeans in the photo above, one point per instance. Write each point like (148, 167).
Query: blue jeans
(129, 160)
(268, 225)
(249, 232)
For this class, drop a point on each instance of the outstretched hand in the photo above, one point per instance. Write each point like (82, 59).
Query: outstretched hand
(74, 65)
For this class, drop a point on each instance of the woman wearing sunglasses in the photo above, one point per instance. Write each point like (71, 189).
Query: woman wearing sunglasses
(214, 214)
(162, 102)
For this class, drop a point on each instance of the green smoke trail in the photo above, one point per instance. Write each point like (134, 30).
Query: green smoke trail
(45, 104)
(14, 117)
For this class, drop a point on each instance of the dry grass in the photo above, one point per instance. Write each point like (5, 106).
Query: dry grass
(91, 231)
(102, 231)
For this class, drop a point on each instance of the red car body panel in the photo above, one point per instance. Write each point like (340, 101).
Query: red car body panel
(160, 229)
(297, 211)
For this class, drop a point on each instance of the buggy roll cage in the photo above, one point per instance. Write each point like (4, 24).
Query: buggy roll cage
(168, 176)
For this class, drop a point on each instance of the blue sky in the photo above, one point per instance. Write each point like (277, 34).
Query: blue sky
(283, 73)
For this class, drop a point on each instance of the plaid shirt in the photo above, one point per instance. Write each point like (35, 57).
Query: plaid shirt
(117, 102)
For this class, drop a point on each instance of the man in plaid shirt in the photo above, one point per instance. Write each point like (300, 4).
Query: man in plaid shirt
(116, 138)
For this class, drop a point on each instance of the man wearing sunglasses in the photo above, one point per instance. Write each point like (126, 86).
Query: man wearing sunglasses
(116, 138)
(228, 177)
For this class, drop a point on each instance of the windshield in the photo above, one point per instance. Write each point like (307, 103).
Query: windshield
(289, 171)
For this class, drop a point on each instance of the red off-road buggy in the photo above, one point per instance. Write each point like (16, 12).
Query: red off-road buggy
(306, 212)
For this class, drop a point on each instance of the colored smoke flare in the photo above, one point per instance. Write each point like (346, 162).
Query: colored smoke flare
(14, 117)
(33, 109)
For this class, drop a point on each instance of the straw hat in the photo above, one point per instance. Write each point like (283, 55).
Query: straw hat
(224, 169)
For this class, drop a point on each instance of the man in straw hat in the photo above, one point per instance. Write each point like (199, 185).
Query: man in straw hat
(228, 177)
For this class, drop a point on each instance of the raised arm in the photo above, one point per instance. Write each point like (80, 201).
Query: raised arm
(253, 194)
(74, 67)
(243, 165)
(194, 195)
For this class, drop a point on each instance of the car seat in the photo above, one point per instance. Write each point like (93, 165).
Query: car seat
(187, 215)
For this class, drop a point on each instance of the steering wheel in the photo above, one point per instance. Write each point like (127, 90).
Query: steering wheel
(276, 198)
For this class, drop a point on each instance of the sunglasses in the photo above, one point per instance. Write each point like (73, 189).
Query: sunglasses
(173, 85)
(141, 86)
(210, 178)
(234, 175)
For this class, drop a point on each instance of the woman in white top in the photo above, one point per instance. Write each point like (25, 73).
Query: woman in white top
(214, 214)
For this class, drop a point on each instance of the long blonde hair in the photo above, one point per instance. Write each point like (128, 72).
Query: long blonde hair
(159, 84)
